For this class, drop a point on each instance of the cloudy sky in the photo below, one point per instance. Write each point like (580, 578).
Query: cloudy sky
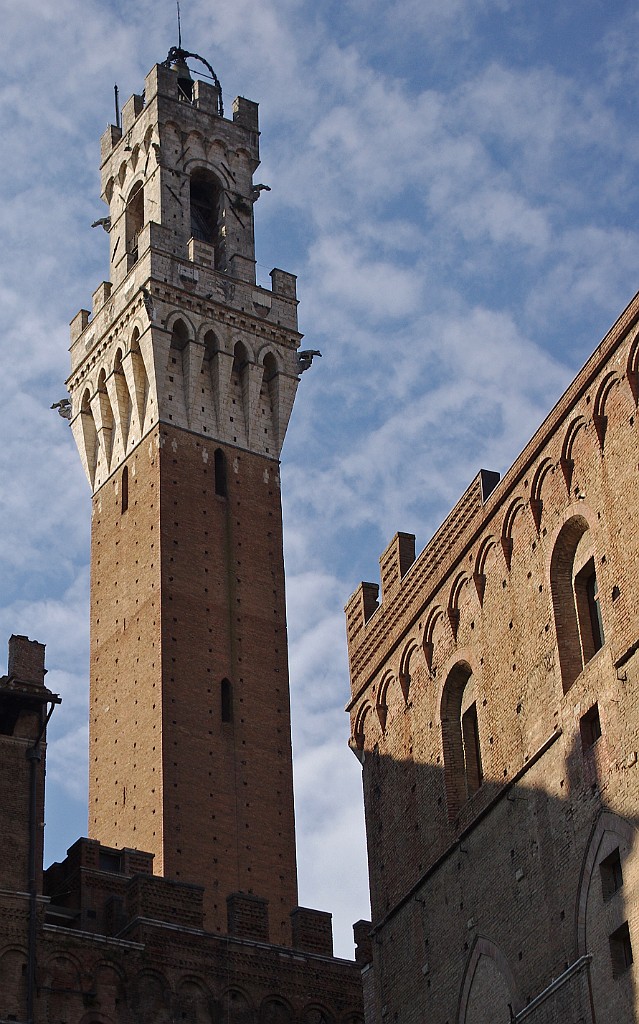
(455, 183)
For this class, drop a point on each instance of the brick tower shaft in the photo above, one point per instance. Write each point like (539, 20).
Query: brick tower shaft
(182, 385)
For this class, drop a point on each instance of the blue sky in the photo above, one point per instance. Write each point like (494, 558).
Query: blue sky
(456, 187)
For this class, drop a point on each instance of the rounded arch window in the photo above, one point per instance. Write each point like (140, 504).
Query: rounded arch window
(575, 598)
(460, 736)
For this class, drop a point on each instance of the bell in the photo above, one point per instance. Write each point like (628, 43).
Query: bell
(185, 82)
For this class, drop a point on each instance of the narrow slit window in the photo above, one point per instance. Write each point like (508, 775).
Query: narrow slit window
(219, 469)
(472, 752)
(125, 489)
(226, 700)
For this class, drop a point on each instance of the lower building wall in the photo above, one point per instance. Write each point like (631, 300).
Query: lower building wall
(162, 973)
(518, 920)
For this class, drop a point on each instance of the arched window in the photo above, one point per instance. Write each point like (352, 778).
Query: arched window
(207, 212)
(211, 345)
(460, 736)
(274, 1011)
(219, 469)
(179, 335)
(226, 701)
(589, 610)
(134, 219)
(575, 598)
(125, 489)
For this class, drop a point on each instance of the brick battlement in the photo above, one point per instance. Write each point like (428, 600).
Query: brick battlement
(402, 576)
(486, 509)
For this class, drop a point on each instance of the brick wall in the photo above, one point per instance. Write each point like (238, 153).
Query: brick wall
(488, 621)
(188, 591)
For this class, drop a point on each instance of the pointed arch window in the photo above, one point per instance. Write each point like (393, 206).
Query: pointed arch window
(179, 335)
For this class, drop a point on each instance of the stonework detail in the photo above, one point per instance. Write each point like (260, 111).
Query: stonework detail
(181, 333)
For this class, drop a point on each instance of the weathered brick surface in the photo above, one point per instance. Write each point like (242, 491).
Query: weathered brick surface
(479, 902)
(130, 947)
(312, 931)
(188, 590)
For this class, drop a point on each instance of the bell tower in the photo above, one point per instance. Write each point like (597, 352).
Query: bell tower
(182, 382)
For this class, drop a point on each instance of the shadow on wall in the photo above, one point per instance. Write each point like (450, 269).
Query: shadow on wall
(112, 994)
(503, 900)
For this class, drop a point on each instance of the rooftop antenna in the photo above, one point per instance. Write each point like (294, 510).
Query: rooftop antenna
(116, 93)
(177, 4)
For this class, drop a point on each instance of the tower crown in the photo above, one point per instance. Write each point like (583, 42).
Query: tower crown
(181, 333)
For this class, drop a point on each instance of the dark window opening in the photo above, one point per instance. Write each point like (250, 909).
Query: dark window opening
(179, 337)
(463, 774)
(575, 597)
(620, 950)
(590, 727)
(472, 752)
(207, 213)
(9, 714)
(134, 219)
(219, 468)
(611, 874)
(226, 700)
(125, 489)
(240, 360)
(589, 610)
(110, 861)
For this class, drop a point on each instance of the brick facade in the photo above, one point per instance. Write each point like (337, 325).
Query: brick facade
(494, 709)
(197, 581)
